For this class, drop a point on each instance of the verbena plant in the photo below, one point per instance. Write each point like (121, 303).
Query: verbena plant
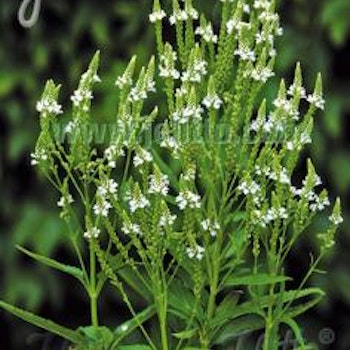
(192, 204)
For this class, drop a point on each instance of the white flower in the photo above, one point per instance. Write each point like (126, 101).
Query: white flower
(64, 201)
(166, 71)
(193, 13)
(40, 155)
(190, 173)
(129, 228)
(178, 16)
(188, 199)
(234, 24)
(211, 227)
(336, 219)
(138, 201)
(196, 252)
(182, 91)
(245, 53)
(271, 215)
(212, 101)
(294, 90)
(157, 16)
(250, 187)
(159, 184)
(123, 81)
(264, 37)
(167, 220)
(81, 95)
(48, 106)
(69, 128)
(151, 86)
(102, 207)
(195, 72)
(184, 115)
(91, 233)
(171, 143)
(300, 141)
(108, 187)
(207, 33)
(137, 95)
(320, 204)
(112, 153)
(317, 101)
(141, 157)
(262, 4)
(262, 74)
(287, 106)
(246, 8)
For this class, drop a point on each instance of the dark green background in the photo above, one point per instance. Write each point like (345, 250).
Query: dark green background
(59, 46)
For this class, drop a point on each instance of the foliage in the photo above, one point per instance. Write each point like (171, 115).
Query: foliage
(180, 228)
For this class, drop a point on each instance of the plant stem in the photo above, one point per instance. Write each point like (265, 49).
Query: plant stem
(213, 292)
(93, 294)
(163, 332)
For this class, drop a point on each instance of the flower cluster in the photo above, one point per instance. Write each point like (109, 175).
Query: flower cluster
(92, 233)
(213, 227)
(157, 16)
(212, 101)
(39, 156)
(80, 97)
(142, 156)
(167, 64)
(191, 112)
(65, 200)
(195, 72)
(195, 252)
(188, 199)
(183, 15)
(207, 33)
(138, 201)
(112, 153)
(48, 106)
(159, 183)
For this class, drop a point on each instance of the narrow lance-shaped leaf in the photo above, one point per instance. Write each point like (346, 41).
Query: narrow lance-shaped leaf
(43, 323)
(70, 270)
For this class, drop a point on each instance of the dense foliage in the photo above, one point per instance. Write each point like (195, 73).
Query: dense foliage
(31, 224)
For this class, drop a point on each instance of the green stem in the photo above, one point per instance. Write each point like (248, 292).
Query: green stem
(162, 308)
(163, 330)
(213, 291)
(93, 293)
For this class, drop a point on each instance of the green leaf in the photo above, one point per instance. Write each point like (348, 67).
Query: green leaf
(128, 275)
(238, 327)
(182, 302)
(257, 306)
(295, 311)
(135, 347)
(129, 326)
(255, 280)
(297, 332)
(187, 334)
(97, 337)
(228, 303)
(70, 270)
(43, 323)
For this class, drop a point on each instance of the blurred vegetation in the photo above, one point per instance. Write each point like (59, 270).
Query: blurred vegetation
(317, 34)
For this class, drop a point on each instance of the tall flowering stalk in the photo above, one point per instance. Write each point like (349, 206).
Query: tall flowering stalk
(199, 221)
